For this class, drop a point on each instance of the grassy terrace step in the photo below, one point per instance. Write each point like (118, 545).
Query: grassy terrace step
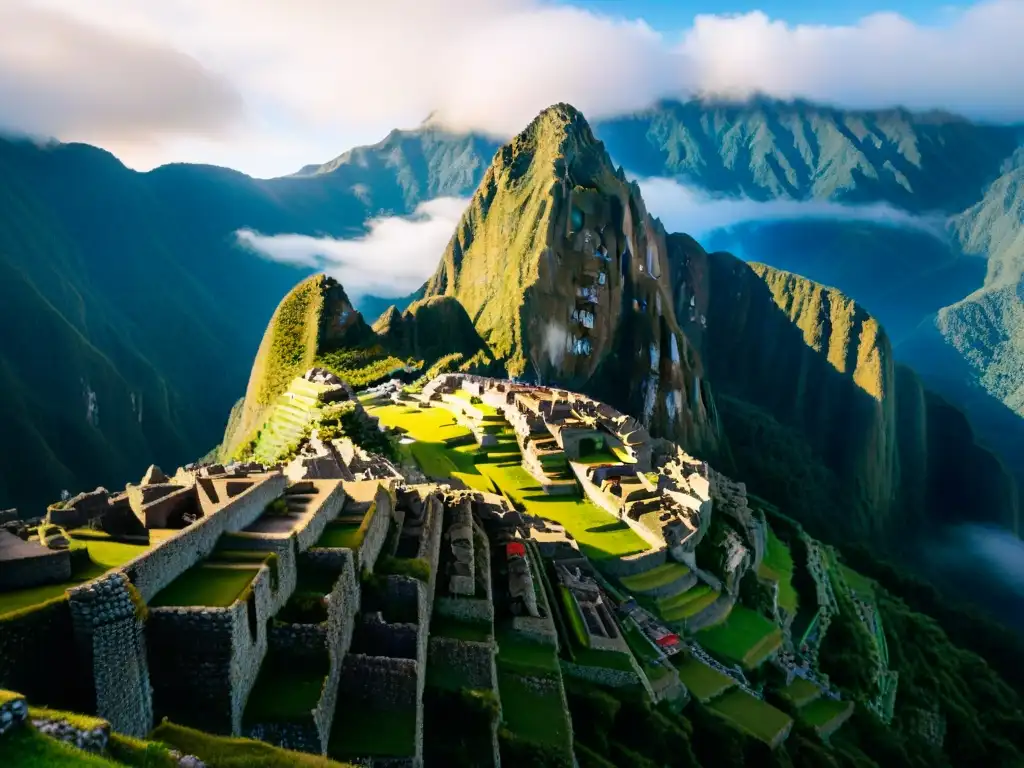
(823, 712)
(227, 752)
(777, 566)
(745, 637)
(687, 604)
(801, 692)
(104, 554)
(207, 584)
(704, 682)
(285, 691)
(659, 576)
(359, 731)
(751, 715)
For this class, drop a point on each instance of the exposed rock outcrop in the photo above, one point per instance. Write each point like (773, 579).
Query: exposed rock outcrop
(567, 278)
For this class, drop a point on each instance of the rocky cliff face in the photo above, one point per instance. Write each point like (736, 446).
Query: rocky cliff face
(817, 363)
(566, 277)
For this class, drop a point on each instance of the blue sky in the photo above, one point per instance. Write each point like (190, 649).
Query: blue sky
(670, 15)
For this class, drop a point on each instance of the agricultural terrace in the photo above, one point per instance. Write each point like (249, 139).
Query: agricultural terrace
(207, 584)
(745, 637)
(365, 731)
(823, 712)
(777, 566)
(801, 692)
(103, 555)
(703, 682)
(443, 448)
(860, 585)
(582, 652)
(286, 690)
(686, 604)
(751, 715)
(659, 576)
(529, 686)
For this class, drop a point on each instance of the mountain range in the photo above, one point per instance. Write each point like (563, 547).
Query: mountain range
(141, 312)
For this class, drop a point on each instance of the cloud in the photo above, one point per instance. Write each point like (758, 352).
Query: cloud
(64, 77)
(393, 259)
(1001, 551)
(321, 74)
(686, 209)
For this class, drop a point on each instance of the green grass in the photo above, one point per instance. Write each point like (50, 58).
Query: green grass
(593, 657)
(820, 713)
(777, 565)
(861, 585)
(228, 752)
(519, 654)
(579, 629)
(600, 456)
(745, 637)
(103, 555)
(27, 748)
(285, 691)
(753, 716)
(534, 715)
(340, 535)
(206, 585)
(801, 692)
(687, 604)
(704, 682)
(660, 576)
(488, 411)
(599, 534)
(638, 643)
(443, 448)
(362, 731)
(446, 626)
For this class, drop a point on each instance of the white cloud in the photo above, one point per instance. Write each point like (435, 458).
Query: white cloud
(60, 76)
(686, 209)
(393, 259)
(321, 74)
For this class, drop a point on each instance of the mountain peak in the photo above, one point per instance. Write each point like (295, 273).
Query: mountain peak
(561, 268)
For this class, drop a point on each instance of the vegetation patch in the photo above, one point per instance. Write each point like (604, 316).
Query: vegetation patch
(361, 731)
(460, 629)
(659, 576)
(751, 715)
(286, 690)
(687, 604)
(579, 629)
(777, 566)
(206, 585)
(533, 711)
(821, 713)
(703, 682)
(599, 534)
(520, 654)
(801, 692)
(228, 752)
(26, 747)
(745, 637)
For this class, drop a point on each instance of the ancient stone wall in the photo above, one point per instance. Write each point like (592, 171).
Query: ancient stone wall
(474, 660)
(155, 569)
(613, 678)
(633, 564)
(465, 608)
(206, 660)
(308, 535)
(49, 566)
(108, 631)
(377, 531)
(378, 682)
(299, 641)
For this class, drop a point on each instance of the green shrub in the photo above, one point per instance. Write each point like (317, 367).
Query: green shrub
(417, 568)
(277, 507)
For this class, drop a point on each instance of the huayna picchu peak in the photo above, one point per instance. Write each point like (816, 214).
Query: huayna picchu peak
(594, 497)
(568, 278)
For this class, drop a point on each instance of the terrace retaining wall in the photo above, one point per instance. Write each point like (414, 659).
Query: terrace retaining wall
(206, 660)
(329, 509)
(634, 564)
(153, 570)
(473, 659)
(108, 631)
